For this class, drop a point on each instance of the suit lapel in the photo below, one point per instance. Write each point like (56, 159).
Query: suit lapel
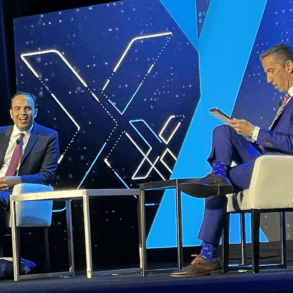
(287, 106)
(4, 139)
(31, 142)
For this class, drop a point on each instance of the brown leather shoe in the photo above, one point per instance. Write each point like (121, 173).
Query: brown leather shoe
(212, 184)
(199, 267)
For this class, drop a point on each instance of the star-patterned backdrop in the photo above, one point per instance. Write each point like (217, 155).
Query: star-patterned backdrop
(275, 28)
(120, 84)
(118, 81)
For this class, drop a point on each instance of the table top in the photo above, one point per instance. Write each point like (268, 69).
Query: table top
(161, 184)
(74, 194)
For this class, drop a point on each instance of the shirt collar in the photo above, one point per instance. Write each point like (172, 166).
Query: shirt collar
(290, 91)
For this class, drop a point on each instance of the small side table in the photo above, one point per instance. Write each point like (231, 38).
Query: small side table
(160, 185)
(83, 194)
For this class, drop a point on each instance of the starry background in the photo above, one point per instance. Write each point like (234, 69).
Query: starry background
(276, 27)
(101, 148)
(92, 39)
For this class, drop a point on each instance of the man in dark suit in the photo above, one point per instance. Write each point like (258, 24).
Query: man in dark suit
(241, 142)
(39, 151)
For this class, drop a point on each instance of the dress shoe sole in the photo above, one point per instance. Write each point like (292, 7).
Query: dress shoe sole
(187, 275)
(202, 190)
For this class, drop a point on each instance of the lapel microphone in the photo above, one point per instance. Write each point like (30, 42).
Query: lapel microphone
(279, 103)
(18, 140)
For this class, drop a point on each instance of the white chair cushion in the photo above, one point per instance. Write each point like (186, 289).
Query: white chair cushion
(37, 213)
(271, 185)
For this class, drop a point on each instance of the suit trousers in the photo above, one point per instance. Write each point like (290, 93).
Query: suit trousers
(4, 206)
(227, 146)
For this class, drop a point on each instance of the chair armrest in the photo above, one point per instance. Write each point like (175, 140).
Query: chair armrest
(271, 184)
(30, 188)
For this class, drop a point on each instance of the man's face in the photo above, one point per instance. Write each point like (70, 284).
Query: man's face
(23, 112)
(278, 75)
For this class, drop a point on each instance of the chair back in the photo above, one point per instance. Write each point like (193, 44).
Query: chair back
(270, 186)
(36, 213)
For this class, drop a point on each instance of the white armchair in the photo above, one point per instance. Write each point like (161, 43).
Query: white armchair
(270, 190)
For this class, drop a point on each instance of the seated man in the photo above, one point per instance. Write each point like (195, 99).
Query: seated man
(230, 145)
(28, 151)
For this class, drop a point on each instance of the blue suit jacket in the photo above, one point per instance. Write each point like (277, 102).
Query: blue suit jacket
(40, 159)
(280, 138)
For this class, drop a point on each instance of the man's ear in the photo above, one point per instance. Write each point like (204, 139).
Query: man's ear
(10, 114)
(289, 66)
(36, 113)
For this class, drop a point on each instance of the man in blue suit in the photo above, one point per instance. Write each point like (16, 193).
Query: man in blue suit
(241, 142)
(38, 157)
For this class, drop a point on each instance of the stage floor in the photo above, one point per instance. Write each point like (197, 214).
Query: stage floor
(159, 281)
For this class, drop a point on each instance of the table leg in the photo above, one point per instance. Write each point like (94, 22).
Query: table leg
(179, 227)
(70, 236)
(87, 236)
(142, 242)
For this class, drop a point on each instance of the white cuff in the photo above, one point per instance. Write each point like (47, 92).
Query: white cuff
(254, 133)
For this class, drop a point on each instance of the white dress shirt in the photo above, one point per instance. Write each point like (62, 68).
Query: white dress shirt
(256, 129)
(11, 146)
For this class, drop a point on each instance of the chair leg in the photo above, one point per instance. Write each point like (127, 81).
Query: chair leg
(255, 225)
(70, 237)
(283, 239)
(243, 238)
(47, 265)
(15, 238)
(225, 243)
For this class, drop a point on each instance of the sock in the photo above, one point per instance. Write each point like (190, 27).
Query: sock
(209, 251)
(220, 169)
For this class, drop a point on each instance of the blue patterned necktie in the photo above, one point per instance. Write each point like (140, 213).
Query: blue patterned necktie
(285, 100)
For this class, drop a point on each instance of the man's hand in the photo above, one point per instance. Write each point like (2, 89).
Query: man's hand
(3, 185)
(241, 126)
(9, 182)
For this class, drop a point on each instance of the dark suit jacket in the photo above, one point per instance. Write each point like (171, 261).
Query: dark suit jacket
(280, 138)
(40, 159)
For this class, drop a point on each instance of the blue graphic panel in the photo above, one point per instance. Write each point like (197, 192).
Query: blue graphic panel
(224, 46)
(184, 13)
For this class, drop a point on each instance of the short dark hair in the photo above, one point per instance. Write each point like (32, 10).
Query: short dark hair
(33, 97)
(281, 53)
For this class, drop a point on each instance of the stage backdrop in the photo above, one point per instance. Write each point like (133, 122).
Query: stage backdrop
(120, 83)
